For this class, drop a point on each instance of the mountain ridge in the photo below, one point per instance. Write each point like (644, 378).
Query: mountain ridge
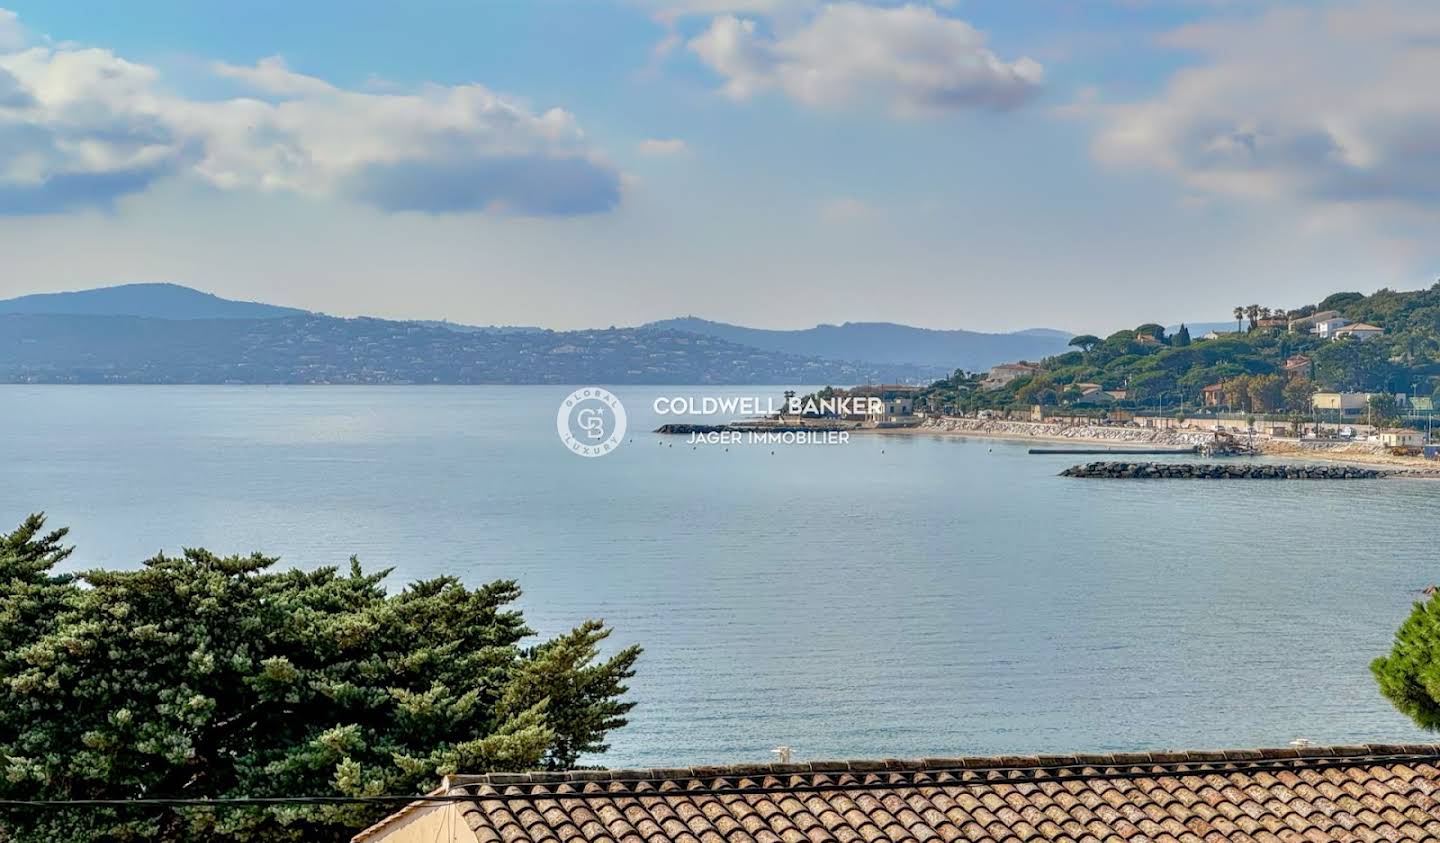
(155, 300)
(320, 349)
(885, 342)
(152, 321)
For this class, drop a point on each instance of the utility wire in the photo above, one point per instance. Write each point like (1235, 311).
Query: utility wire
(983, 777)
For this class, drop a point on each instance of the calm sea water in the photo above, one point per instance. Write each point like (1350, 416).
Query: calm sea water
(890, 597)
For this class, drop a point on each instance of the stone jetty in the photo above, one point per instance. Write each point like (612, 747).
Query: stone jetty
(1213, 471)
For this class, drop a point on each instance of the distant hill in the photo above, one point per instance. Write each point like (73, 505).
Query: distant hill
(155, 301)
(312, 348)
(486, 329)
(885, 342)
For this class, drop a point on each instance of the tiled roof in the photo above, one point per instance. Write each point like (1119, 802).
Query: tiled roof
(1360, 793)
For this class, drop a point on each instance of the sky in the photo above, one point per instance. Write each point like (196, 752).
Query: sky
(994, 165)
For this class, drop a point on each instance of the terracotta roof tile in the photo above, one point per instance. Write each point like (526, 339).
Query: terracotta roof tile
(1374, 793)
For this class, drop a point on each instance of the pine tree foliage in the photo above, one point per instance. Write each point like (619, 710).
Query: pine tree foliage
(1410, 676)
(221, 676)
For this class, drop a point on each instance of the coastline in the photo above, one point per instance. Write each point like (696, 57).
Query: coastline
(1123, 439)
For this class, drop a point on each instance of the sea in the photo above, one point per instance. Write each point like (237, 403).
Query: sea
(889, 596)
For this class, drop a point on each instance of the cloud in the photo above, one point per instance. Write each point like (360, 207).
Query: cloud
(662, 147)
(271, 75)
(1314, 104)
(83, 127)
(909, 59)
(12, 34)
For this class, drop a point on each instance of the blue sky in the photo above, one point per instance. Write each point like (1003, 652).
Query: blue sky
(978, 163)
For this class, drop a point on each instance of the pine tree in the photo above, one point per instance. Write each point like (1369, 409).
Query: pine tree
(1410, 676)
(208, 676)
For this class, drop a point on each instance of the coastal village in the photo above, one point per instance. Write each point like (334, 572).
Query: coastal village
(1277, 407)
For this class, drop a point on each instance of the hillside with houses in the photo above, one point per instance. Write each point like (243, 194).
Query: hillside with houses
(1348, 355)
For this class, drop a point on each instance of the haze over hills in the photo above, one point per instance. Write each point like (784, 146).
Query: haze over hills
(167, 333)
(156, 301)
(318, 349)
(886, 342)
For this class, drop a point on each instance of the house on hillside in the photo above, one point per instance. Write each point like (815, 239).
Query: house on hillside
(1359, 330)
(1000, 375)
(1326, 328)
(1299, 366)
(1307, 794)
(1213, 395)
(1302, 324)
(1279, 320)
(1095, 395)
(1147, 340)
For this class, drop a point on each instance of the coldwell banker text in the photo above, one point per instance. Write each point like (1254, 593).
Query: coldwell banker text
(839, 406)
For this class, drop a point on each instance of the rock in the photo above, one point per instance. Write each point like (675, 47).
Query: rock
(1252, 471)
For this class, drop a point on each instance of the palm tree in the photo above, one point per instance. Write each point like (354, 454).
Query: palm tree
(1253, 313)
(1239, 315)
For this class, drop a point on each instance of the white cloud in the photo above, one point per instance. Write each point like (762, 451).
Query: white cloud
(83, 127)
(1324, 105)
(271, 75)
(12, 34)
(662, 147)
(909, 59)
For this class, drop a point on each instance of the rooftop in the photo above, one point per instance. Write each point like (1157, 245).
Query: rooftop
(1361, 793)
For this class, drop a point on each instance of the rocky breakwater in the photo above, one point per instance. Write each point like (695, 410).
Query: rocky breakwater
(1099, 433)
(1212, 471)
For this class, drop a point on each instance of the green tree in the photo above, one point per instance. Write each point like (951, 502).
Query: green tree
(1085, 342)
(1383, 409)
(201, 676)
(1297, 395)
(1237, 393)
(1153, 329)
(1353, 365)
(1181, 338)
(1265, 392)
(1338, 301)
(1410, 676)
(1239, 314)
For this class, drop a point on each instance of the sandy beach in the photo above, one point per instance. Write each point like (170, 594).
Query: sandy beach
(1122, 438)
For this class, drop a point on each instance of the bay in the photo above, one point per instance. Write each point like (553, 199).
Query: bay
(895, 596)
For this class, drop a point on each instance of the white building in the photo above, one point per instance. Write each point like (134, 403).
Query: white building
(1327, 327)
(1343, 403)
(1007, 372)
(1359, 330)
(1401, 437)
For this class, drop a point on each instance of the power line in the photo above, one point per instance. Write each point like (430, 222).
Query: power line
(983, 777)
